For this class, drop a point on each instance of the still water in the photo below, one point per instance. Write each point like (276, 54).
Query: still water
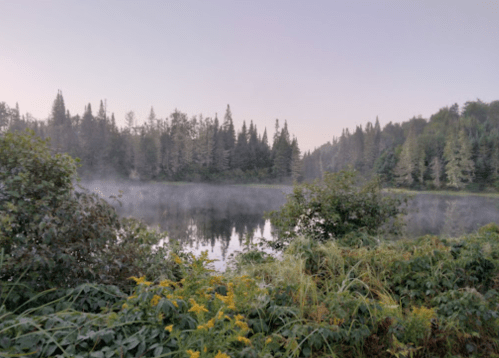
(222, 218)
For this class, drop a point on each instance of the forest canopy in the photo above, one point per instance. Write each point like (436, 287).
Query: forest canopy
(456, 148)
(173, 148)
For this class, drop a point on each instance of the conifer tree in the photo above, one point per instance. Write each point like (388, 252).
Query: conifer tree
(407, 163)
(4, 116)
(436, 171)
(229, 136)
(296, 162)
(459, 167)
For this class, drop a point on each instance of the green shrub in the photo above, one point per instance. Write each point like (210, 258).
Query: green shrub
(334, 207)
(53, 235)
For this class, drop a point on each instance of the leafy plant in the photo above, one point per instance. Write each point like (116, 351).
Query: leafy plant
(334, 207)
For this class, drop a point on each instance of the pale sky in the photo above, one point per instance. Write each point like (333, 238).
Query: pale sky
(320, 65)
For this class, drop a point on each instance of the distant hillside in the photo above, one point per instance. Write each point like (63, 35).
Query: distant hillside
(453, 149)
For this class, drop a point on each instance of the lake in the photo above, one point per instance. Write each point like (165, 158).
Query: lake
(221, 218)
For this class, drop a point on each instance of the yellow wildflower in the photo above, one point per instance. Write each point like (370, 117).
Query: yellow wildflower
(228, 300)
(125, 306)
(196, 307)
(177, 259)
(169, 328)
(220, 315)
(222, 355)
(175, 303)
(205, 349)
(216, 280)
(338, 321)
(131, 297)
(155, 300)
(242, 325)
(210, 323)
(193, 354)
(167, 283)
(268, 340)
(239, 317)
(140, 280)
(244, 340)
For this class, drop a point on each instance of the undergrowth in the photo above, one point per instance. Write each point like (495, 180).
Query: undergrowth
(425, 298)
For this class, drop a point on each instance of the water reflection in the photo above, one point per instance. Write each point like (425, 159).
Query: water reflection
(201, 217)
(449, 215)
(221, 218)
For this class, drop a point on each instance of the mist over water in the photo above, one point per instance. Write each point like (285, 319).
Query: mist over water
(221, 218)
(217, 218)
(448, 215)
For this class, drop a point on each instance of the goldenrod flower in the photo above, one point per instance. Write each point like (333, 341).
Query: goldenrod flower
(205, 349)
(268, 340)
(244, 340)
(125, 306)
(220, 314)
(169, 328)
(239, 317)
(175, 303)
(131, 297)
(140, 280)
(216, 280)
(193, 354)
(155, 300)
(222, 355)
(167, 283)
(242, 325)
(196, 307)
(210, 323)
(177, 259)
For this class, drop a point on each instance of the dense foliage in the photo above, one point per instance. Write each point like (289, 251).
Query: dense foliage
(428, 298)
(51, 234)
(452, 149)
(334, 207)
(173, 148)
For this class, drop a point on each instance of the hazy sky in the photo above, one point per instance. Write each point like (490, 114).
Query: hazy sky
(321, 65)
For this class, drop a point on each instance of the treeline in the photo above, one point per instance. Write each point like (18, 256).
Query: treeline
(453, 149)
(173, 148)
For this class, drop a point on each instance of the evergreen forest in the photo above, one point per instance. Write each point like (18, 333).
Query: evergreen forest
(177, 148)
(455, 149)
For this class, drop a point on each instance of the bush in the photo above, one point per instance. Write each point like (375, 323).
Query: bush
(52, 235)
(334, 207)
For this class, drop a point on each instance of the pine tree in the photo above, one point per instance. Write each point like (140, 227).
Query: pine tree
(229, 136)
(4, 116)
(241, 153)
(457, 152)
(296, 162)
(152, 119)
(58, 110)
(220, 154)
(407, 163)
(436, 171)
(130, 119)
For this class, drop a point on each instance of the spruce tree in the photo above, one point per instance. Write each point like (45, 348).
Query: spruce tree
(407, 163)
(457, 152)
(296, 162)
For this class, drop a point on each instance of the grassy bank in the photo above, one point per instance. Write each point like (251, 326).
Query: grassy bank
(362, 298)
